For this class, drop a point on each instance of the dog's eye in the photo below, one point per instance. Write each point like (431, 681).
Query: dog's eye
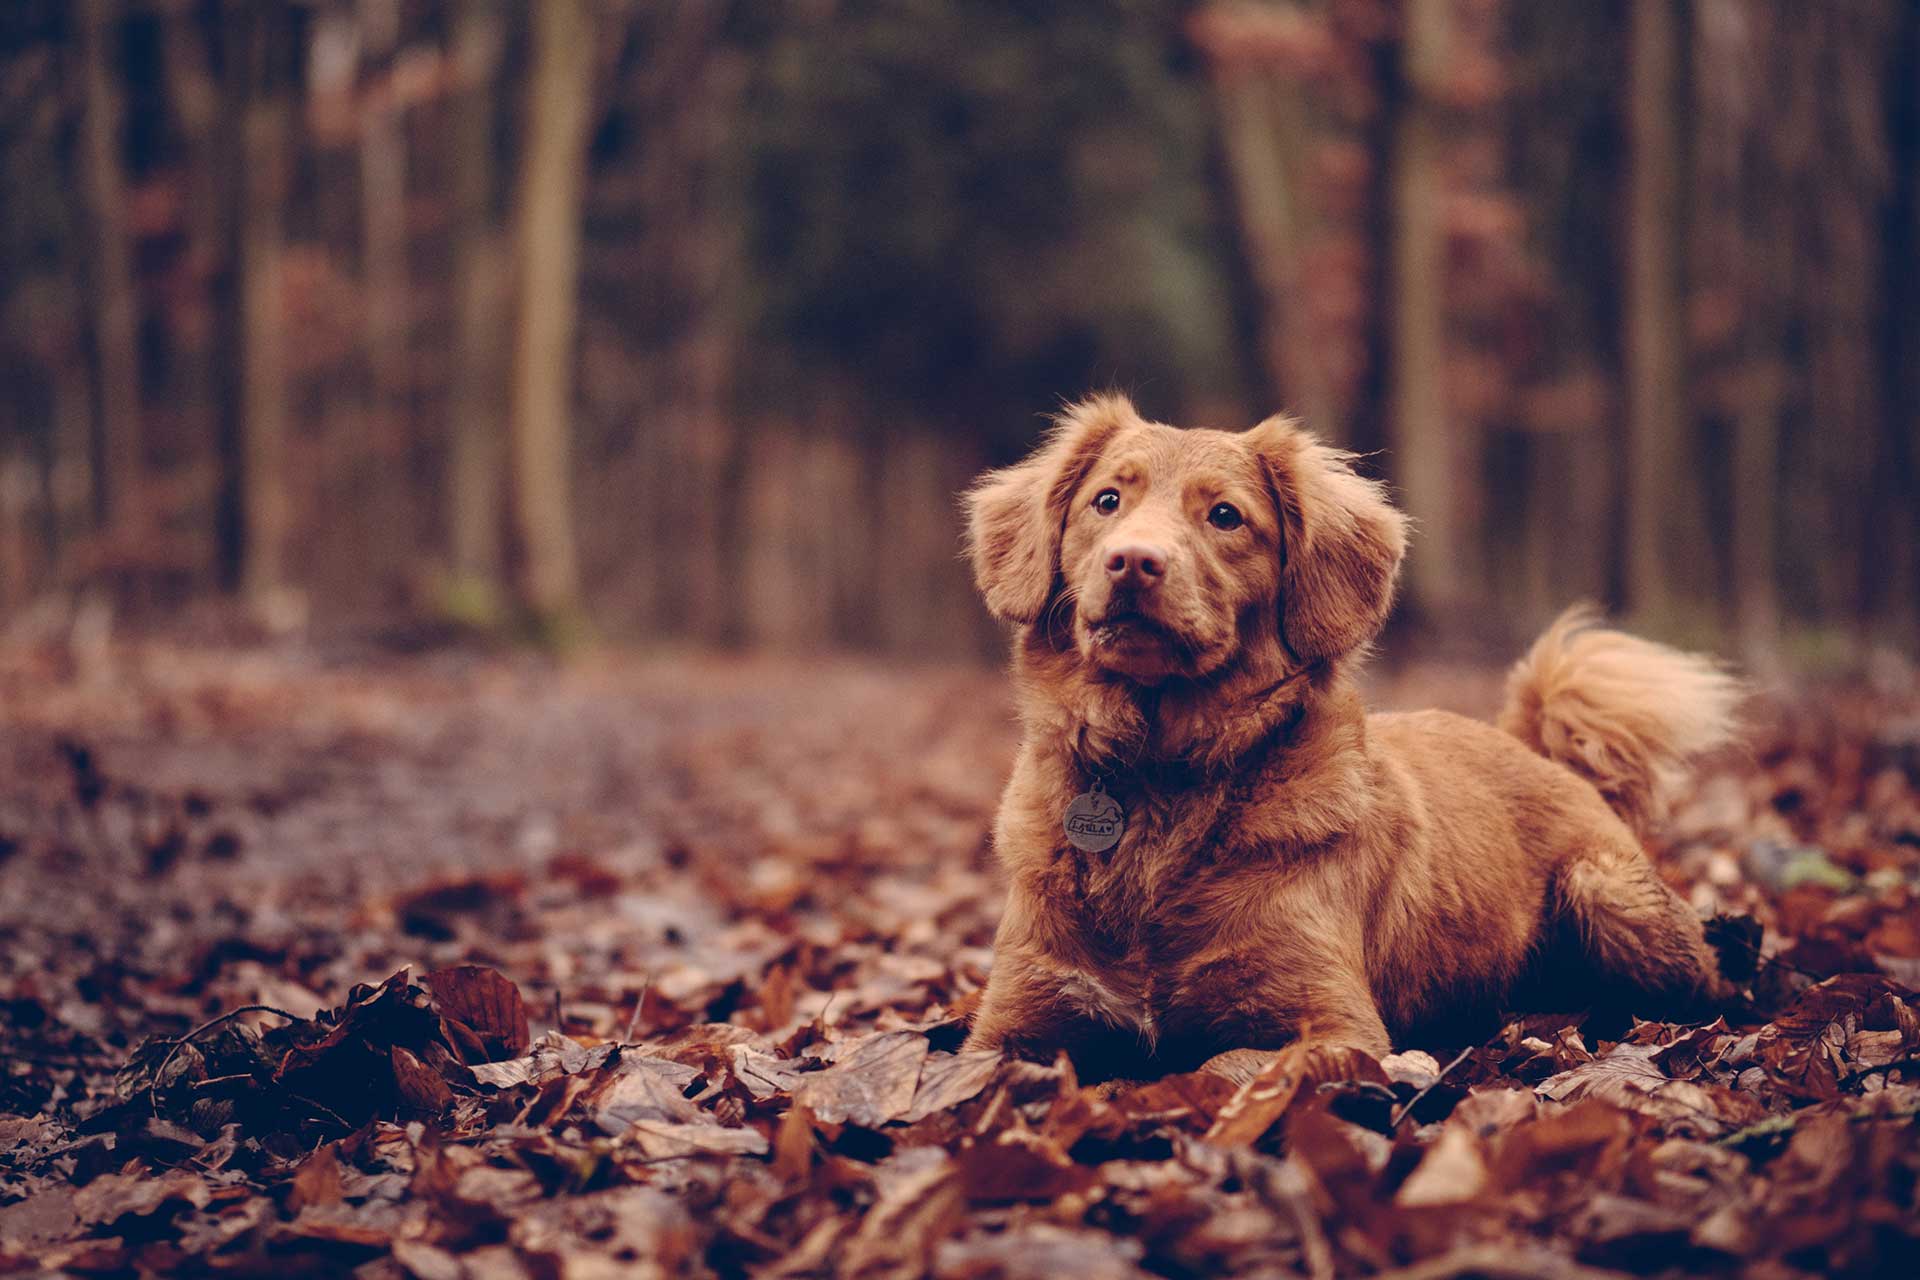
(1107, 501)
(1225, 516)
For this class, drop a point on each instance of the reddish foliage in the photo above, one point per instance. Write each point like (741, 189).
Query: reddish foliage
(696, 946)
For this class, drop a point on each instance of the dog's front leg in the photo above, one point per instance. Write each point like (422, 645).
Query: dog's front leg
(1303, 997)
(1036, 1003)
(1349, 1018)
(1022, 1011)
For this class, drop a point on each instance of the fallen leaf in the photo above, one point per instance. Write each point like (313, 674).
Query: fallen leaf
(113, 1196)
(1021, 1166)
(1454, 1171)
(1589, 1137)
(917, 1209)
(871, 1081)
(419, 1087)
(39, 1220)
(485, 1001)
(318, 1181)
(1628, 1078)
(667, 1140)
(949, 1079)
(1264, 1099)
(644, 1089)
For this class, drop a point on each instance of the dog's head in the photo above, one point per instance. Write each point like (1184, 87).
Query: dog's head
(1172, 553)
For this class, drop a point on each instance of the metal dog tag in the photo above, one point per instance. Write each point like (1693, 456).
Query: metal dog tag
(1094, 820)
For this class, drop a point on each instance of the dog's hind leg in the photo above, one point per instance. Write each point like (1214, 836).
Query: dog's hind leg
(1635, 930)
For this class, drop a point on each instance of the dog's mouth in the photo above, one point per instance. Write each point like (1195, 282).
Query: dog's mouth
(1125, 622)
(1128, 640)
(1127, 619)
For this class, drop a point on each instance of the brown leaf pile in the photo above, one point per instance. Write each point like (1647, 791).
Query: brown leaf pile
(459, 967)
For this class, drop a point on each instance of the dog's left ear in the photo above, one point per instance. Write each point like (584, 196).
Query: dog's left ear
(1015, 515)
(1342, 542)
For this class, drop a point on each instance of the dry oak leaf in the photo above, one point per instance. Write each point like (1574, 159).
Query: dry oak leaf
(1613, 1222)
(427, 1262)
(551, 1056)
(949, 1079)
(1189, 1101)
(1019, 1164)
(418, 1085)
(644, 1090)
(318, 1181)
(765, 1075)
(1193, 1098)
(373, 1225)
(872, 1080)
(1488, 1110)
(1628, 1078)
(1294, 1070)
(1454, 1171)
(588, 1234)
(666, 1140)
(1590, 1137)
(1416, 1067)
(915, 1211)
(38, 1220)
(485, 1001)
(1040, 1249)
(113, 1196)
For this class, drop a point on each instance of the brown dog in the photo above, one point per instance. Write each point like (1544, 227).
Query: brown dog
(1250, 858)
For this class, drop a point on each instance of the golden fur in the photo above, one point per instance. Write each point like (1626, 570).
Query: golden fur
(1292, 866)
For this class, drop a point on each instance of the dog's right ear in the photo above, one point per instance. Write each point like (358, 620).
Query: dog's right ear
(1342, 540)
(1015, 516)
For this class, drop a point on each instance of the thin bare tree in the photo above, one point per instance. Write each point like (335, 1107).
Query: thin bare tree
(111, 300)
(475, 423)
(253, 522)
(385, 296)
(1426, 451)
(1656, 343)
(547, 259)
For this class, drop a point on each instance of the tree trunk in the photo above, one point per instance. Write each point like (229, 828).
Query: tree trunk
(117, 435)
(1894, 589)
(253, 521)
(16, 559)
(1756, 464)
(1264, 133)
(1365, 426)
(684, 195)
(383, 272)
(548, 254)
(473, 405)
(1561, 114)
(1656, 336)
(1428, 457)
(199, 364)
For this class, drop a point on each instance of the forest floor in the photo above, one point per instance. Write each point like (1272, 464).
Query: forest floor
(455, 965)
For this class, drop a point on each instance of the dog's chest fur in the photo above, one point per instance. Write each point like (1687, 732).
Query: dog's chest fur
(1145, 912)
(1169, 935)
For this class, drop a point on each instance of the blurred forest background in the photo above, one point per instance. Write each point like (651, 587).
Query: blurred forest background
(686, 320)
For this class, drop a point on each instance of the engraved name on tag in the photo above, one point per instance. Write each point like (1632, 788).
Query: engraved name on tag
(1094, 821)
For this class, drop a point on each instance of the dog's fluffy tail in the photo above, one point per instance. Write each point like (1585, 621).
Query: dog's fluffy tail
(1626, 714)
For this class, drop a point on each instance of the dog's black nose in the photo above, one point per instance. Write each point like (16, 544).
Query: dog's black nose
(1136, 564)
